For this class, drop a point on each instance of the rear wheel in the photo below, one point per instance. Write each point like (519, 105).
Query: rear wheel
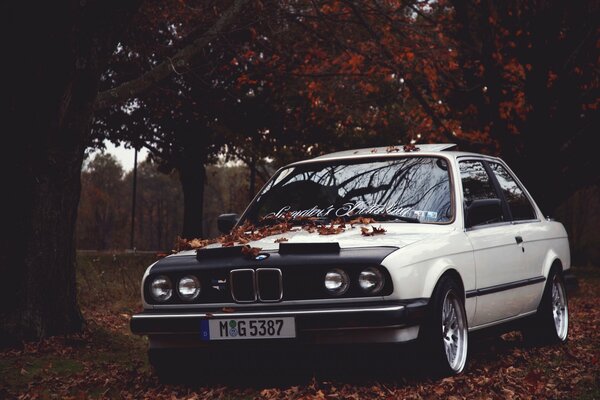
(444, 335)
(551, 322)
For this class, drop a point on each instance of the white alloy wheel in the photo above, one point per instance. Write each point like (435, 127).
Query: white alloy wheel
(454, 332)
(560, 310)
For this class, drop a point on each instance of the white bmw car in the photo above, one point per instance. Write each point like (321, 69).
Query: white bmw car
(387, 245)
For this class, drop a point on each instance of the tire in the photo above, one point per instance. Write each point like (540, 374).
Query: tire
(444, 334)
(550, 324)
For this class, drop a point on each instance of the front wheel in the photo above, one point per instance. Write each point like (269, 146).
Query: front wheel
(445, 332)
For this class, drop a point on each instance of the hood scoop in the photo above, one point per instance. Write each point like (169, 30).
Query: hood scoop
(309, 248)
(218, 252)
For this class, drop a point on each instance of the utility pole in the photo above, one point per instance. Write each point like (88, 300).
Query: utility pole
(133, 198)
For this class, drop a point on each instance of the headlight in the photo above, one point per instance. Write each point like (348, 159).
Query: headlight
(161, 288)
(371, 280)
(337, 282)
(188, 287)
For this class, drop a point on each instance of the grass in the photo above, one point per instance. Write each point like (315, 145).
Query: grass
(111, 278)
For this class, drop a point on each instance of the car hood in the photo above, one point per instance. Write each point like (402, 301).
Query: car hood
(396, 234)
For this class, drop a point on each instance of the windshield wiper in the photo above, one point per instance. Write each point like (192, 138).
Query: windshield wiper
(385, 217)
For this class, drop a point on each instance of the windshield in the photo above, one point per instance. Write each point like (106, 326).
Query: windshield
(408, 189)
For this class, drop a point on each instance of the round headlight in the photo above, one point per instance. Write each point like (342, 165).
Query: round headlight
(161, 288)
(337, 282)
(371, 280)
(188, 287)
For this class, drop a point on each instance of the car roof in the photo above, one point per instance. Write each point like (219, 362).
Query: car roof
(394, 150)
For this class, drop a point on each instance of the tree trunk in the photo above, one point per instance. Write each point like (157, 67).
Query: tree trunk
(192, 174)
(53, 76)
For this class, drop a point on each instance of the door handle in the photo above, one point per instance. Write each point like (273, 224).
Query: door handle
(519, 239)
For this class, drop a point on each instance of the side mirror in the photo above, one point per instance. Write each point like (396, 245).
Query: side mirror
(483, 211)
(226, 222)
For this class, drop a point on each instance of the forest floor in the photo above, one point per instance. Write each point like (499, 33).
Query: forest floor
(107, 361)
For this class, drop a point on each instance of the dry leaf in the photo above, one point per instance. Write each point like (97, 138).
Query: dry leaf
(362, 220)
(376, 231)
(250, 252)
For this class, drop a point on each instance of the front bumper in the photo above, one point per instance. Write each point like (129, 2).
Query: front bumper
(380, 322)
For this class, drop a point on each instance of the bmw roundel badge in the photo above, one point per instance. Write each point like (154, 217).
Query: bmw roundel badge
(261, 257)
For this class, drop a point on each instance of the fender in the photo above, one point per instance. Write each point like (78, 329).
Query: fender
(467, 281)
(550, 259)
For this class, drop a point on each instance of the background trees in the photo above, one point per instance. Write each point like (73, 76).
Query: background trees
(104, 217)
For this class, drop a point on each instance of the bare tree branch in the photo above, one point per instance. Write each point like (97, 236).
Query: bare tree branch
(163, 70)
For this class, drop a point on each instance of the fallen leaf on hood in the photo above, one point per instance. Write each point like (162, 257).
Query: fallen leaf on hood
(281, 240)
(250, 252)
(330, 229)
(376, 231)
(362, 221)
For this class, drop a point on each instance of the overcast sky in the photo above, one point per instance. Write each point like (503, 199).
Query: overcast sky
(125, 156)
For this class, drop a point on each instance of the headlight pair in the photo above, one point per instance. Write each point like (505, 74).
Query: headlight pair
(370, 280)
(188, 288)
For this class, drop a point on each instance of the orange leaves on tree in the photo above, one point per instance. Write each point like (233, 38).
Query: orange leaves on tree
(367, 87)
(355, 62)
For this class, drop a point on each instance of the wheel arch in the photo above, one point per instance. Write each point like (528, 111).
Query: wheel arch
(449, 271)
(462, 275)
(552, 261)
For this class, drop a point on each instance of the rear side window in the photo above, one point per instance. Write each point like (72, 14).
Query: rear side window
(520, 207)
(476, 182)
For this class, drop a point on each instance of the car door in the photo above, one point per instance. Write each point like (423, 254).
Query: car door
(531, 231)
(497, 254)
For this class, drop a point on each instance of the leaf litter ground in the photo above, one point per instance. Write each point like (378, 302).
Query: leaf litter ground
(107, 361)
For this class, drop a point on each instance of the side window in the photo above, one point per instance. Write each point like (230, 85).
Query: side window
(520, 207)
(476, 182)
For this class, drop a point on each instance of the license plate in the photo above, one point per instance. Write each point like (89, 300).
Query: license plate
(248, 328)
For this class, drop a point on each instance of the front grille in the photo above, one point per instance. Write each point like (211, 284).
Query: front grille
(269, 284)
(243, 289)
(264, 285)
